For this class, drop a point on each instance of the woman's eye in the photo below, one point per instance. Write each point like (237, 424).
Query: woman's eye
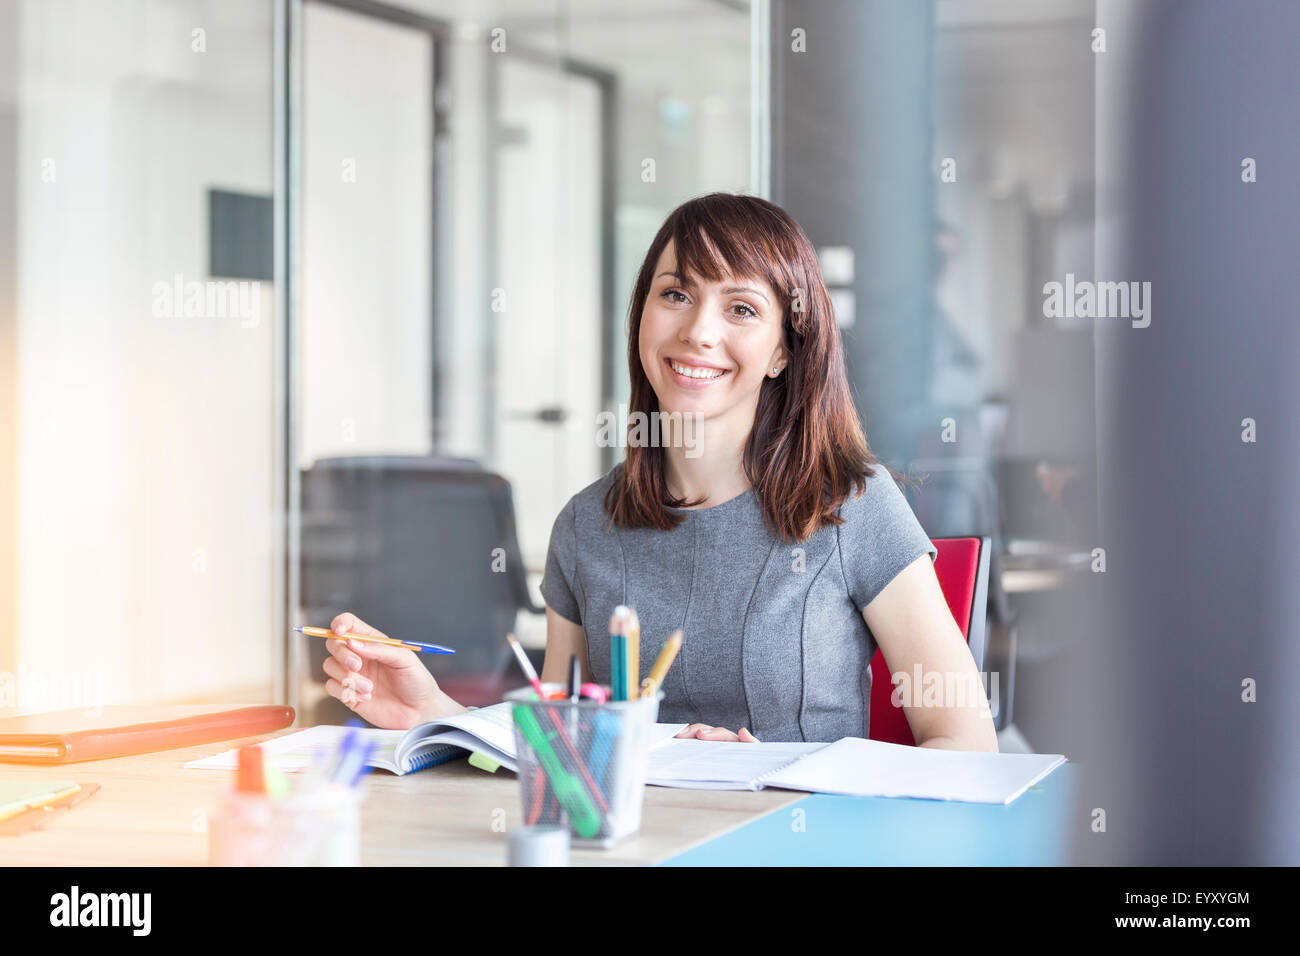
(670, 292)
(748, 313)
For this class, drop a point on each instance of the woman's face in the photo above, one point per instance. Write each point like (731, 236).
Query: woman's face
(707, 349)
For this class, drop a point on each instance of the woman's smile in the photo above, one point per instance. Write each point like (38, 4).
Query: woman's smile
(693, 374)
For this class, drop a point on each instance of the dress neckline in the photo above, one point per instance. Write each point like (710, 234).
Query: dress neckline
(715, 509)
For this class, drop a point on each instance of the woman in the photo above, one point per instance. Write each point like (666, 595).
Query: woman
(759, 522)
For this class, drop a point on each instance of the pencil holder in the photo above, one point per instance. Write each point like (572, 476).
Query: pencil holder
(583, 765)
(320, 827)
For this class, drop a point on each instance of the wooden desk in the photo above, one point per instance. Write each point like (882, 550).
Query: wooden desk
(151, 811)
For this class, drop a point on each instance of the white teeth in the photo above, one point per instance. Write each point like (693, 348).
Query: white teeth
(690, 372)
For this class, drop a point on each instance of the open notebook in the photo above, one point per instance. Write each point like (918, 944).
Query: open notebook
(488, 730)
(849, 766)
(853, 766)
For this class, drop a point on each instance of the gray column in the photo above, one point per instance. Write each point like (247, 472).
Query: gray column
(851, 162)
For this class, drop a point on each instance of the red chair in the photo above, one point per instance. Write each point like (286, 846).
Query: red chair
(962, 566)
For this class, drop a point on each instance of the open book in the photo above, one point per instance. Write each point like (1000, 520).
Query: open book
(488, 730)
(853, 766)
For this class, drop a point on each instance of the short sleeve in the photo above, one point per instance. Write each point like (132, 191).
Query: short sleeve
(880, 537)
(558, 588)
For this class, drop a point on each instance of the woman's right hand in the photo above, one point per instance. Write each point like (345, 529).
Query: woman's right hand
(386, 685)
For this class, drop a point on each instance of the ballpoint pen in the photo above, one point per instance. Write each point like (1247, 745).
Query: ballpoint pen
(575, 678)
(411, 645)
(343, 764)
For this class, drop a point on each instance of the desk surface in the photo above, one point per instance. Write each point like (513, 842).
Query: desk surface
(828, 830)
(151, 811)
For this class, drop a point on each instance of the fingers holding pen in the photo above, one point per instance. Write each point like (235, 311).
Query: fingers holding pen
(349, 623)
(343, 653)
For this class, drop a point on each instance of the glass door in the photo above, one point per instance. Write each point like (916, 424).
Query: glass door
(365, 340)
(550, 289)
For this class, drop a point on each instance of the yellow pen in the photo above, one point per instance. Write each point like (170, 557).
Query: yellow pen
(667, 654)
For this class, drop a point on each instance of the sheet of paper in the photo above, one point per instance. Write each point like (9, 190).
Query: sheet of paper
(660, 734)
(493, 725)
(294, 752)
(719, 765)
(869, 768)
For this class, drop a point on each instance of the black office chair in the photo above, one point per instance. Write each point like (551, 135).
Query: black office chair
(423, 548)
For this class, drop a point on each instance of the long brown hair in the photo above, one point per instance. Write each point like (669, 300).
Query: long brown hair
(806, 451)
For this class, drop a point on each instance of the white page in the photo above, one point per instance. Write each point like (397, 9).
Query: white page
(493, 725)
(294, 752)
(660, 734)
(870, 768)
(719, 764)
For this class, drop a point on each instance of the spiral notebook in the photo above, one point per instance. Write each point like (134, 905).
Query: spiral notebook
(488, 730)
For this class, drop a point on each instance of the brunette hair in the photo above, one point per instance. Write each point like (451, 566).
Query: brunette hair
(806, 451)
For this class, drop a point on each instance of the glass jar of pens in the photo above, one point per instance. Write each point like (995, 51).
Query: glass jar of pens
(583, 750)
(582, 764)
(263, 821)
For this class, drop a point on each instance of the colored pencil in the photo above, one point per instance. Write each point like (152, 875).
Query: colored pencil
(618, 622)
(667, 654)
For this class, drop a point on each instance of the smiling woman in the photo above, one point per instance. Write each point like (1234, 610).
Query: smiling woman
(772, 538)
(776, 402)
(782, 548)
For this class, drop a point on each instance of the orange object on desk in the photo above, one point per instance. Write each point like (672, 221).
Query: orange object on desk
(67, 737)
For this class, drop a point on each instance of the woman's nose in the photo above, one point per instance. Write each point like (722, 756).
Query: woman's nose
(699, 327)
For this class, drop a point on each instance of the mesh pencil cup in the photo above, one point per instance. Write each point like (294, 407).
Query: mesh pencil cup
(320, 827)
(583, 765)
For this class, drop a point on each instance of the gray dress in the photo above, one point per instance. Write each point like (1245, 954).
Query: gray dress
(774, 639)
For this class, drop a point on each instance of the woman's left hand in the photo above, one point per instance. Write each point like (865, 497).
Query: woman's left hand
(705, 732)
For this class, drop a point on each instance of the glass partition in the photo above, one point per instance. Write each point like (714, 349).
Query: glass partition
(141, 542)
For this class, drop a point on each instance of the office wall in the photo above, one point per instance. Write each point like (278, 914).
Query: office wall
(143, 442)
